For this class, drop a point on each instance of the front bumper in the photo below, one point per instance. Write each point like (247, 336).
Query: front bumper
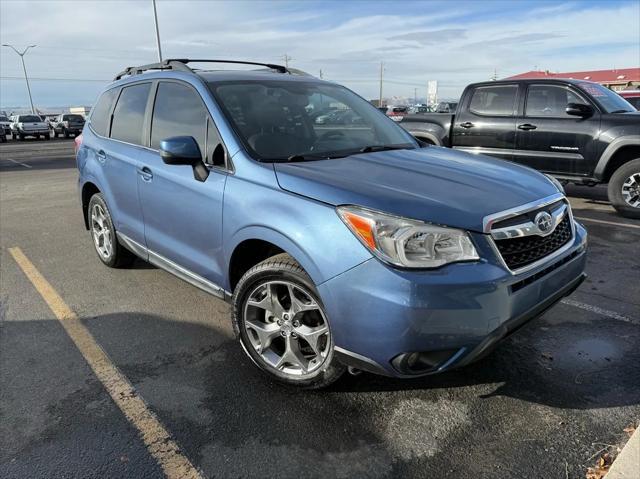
(453, 315)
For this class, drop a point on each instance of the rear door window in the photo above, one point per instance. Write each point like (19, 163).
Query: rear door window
(100, 114)
(178, 111)
(496, 100)
(128, 116)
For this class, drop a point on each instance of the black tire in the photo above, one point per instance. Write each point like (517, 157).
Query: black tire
(616, 183)
(13, 136)
(281, 267)
(21, 136)
(66, 133)
(47, 136)
(119, 256)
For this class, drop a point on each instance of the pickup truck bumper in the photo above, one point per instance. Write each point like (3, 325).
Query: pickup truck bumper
(413, 323)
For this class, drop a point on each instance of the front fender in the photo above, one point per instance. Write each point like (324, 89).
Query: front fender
(611, 149)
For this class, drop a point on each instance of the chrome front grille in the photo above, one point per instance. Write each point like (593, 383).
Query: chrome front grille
(531, 235)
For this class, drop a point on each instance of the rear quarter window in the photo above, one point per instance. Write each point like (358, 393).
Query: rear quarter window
(100, 114)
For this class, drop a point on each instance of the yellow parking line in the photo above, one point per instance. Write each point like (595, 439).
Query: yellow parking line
(612, 223)
(156, 438)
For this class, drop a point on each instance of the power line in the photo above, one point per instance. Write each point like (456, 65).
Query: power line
(3, 77)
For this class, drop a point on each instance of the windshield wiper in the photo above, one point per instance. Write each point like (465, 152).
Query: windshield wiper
(372, 148)
(294, 158)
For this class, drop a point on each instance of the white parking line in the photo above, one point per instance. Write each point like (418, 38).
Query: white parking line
(624, 225)
(19, 163)
(600, 311)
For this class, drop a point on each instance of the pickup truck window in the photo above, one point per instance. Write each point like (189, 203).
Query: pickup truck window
(550, 100)
(609, 100)
(494, 100)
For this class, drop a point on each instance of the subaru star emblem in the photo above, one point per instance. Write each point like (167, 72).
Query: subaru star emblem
(543, 221)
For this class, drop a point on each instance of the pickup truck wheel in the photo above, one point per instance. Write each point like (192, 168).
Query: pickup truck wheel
(624, 189)
(47, 136)
(282, 326)
(21, 136)
(13, 136)
(66, 133)
(103, 233)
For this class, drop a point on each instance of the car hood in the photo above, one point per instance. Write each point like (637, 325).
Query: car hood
(432, 184)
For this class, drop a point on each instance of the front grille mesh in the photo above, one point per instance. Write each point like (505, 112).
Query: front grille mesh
(523, 251)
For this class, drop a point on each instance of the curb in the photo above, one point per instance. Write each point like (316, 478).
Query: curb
(627, 464)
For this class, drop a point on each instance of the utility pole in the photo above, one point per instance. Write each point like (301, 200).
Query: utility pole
(415, 96)
(321, 77)
(286, 59)
(24, 69)
(381, 70)
(155, 17)
(494, 77)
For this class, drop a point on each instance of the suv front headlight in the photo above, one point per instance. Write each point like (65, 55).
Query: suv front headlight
(405, 242)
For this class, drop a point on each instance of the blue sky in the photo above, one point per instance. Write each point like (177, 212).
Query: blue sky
(82, 44)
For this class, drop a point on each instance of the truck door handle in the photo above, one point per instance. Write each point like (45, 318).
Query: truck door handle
(101, 156)
(466, 124)
(527, 126)
(146, 173)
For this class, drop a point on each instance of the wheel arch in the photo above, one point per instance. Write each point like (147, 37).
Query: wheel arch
(88, 190)
(619, 152)
(255, 244)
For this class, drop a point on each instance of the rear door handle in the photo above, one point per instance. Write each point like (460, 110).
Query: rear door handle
(146, 173)
(466, 124)
(101, 156)
(527, 126)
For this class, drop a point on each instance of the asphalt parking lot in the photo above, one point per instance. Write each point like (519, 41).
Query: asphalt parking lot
(542, 405)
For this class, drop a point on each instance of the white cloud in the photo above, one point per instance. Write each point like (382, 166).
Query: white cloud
(453, 43)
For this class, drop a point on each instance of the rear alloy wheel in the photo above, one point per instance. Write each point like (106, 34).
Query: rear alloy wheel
(624, 189)
(105, 241)
(282, 324)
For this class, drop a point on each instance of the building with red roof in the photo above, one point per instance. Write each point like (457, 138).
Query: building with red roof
(618, 79)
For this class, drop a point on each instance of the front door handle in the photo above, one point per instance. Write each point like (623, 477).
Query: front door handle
(466, 124)
(101, 156)
(146, 173)
(527, 126)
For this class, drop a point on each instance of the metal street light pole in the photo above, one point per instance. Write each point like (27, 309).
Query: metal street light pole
(155, 17)
(26, 78)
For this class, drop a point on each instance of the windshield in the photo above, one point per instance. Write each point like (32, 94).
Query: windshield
(30, 119)
(279, 120)
(609, 100)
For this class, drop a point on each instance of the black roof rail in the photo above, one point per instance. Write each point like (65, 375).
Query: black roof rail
(180, 64)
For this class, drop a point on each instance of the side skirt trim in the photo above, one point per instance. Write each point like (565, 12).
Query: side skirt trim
(173, 268)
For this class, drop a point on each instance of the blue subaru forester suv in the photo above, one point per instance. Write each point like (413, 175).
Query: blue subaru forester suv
(340, 241)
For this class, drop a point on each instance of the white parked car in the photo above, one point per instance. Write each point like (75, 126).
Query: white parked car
(29, 125)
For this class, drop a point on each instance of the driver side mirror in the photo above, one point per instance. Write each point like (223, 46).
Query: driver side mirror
(180, 150)
(579, 109)
(184, 150)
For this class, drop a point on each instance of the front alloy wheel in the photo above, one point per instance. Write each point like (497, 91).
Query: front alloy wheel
(624, 189)
(101, 232)
(287, 328)
(631, 190)
(282, 325)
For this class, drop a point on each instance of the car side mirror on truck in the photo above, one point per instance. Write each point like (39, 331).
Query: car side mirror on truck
(184, 150)
(579, 109)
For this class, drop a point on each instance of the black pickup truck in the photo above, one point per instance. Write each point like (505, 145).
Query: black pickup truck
(574, 130)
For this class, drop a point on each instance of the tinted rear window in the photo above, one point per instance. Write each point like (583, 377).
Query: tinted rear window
(72, 118)
(3, 118)
(128, 116)
(30, 119)
(494, 100)
(100, 118)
